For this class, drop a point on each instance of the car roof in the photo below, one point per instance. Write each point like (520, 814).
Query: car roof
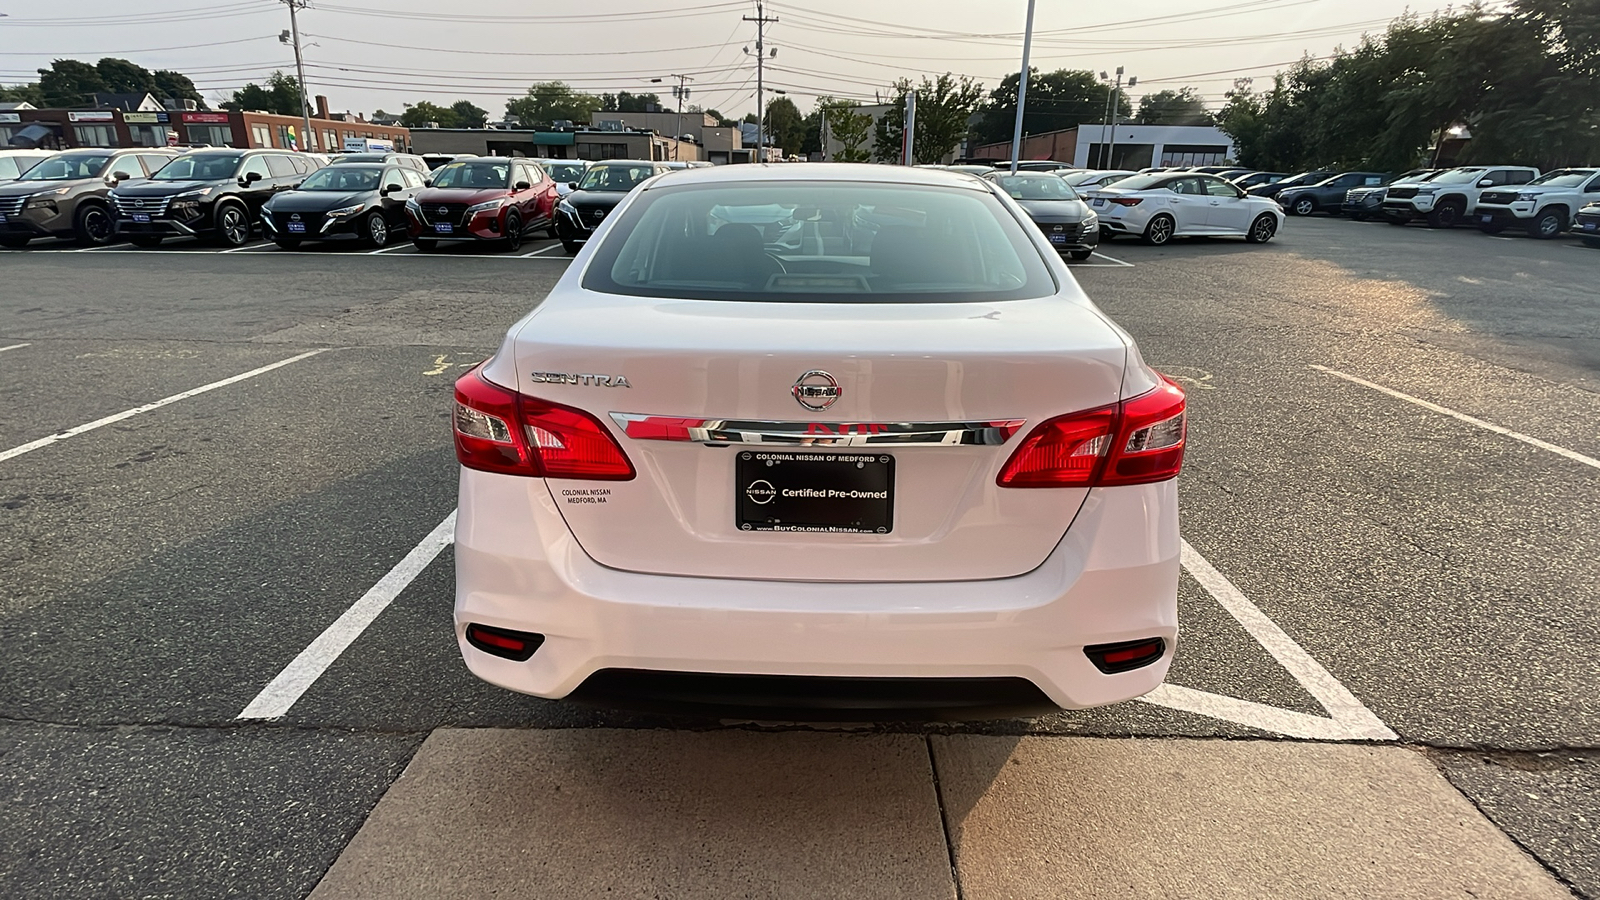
(824, 172)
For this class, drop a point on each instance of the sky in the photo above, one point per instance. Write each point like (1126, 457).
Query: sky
(381, 54)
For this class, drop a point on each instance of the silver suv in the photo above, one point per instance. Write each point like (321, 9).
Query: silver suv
(1544, 207)
(1448, 200)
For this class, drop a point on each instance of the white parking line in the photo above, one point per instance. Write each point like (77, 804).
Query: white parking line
(1348, 718)
(130, 413)
(399, 246)
(1113, 259)
(296, 678)
(101, 247)
(1470, 420)
(542, 251)
(15, 347)
(246, 247)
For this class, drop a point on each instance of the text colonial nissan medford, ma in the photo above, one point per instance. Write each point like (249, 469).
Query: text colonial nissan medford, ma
(837, 442)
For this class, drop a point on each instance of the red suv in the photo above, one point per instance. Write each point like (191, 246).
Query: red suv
(483, 199)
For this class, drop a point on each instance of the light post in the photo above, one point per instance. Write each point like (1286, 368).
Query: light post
(300, 69)
(1022, 90)
(1116, 109)
(682, 94)
(762, 20)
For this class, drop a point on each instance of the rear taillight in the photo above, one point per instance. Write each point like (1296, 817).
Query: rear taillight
(499, 430)
(1127, 201)
(1137, 441)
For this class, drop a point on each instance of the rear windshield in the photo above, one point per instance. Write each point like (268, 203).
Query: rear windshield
(802, 242)
(66, 168)
(1023, 187)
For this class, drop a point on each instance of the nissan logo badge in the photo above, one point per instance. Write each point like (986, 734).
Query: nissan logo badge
(444, 210)
(761, 492)
(295, 217)
(138, 204)
(816, 390)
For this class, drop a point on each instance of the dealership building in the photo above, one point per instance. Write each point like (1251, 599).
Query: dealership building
(139, 120)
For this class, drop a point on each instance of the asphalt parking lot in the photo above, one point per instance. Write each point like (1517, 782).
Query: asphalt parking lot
(227, 668)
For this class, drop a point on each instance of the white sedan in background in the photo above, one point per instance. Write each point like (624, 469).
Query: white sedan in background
(899, 467)
(1160, 206)
(1094, 178)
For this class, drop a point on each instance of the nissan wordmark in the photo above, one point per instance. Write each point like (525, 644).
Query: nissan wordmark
(829, 442)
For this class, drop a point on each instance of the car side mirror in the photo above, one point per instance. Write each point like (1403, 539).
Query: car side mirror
(573, 185)
(391, 188)
(1486, 183)
(119, 177)
(250, 178)
(522, 186)
(427, 182)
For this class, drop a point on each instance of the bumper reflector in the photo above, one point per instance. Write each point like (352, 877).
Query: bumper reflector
(1125, 656)
(515, 645)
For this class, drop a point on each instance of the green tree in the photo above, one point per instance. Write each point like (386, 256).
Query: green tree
(1169, 107)
(469, 115)
(22, 93)
(1065, 98)
(552, 101)
(785, 126)
(423, 114)
(944, 107)
(69, 82)
(121, 76)
(280, 95)
(849, 127)
(175, 85)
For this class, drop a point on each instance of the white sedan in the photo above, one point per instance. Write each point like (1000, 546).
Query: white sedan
(897, 467)
(1160, 206)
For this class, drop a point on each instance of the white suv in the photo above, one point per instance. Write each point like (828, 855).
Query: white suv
(1545, 206)
(1446, 201)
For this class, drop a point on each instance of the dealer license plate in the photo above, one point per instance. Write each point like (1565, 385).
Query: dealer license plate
(1099, 201)
(443, 227)
(1587, 226)
(1058, 239)
(141, 217)
(1488, 219)
(297, 226)
(3, 218)
(816, 492)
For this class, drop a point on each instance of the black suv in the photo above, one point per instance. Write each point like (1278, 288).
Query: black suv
(1327, 196)
(216, 194)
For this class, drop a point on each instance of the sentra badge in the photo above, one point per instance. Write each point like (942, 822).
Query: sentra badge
(584, 378)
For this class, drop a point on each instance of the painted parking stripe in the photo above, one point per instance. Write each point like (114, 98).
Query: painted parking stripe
(92, 249)
(1348, 718)
(542, 251)
(1470, 420)
(1113, 259)
(282, 692)
(165, 401)
(387, 249)
(15, 347)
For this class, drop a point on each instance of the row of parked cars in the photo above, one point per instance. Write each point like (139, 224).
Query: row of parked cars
(1492, 198)
(224, 195)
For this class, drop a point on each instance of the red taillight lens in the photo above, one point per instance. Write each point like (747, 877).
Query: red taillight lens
(1127, 201)
(499, 430)
(1137, 441)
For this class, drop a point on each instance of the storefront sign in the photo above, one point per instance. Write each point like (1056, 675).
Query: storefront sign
(206, 118)
(94, 115)
(145, 118)
(10, 118)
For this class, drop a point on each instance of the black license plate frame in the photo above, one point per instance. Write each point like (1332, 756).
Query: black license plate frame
(840, 493)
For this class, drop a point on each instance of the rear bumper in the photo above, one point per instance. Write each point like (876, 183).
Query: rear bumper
(1112, 578)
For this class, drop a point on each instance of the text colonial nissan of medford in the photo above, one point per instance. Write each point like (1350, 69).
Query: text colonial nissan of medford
(875, 458)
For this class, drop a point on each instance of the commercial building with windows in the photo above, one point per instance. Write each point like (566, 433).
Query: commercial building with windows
(1135, 146)
(576, 144)
(137, 120)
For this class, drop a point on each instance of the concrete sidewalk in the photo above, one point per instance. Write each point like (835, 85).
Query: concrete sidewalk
(577, 813)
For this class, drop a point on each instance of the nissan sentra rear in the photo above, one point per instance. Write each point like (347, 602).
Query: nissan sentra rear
(829, 442)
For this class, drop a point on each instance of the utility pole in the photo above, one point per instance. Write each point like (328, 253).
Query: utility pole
(1105, 119)
(682, 95)
(1022, 90)
(1116, 109)
(300, 69)
(761, 19)
(908, 134)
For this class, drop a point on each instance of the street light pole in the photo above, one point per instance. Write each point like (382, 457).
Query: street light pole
(761, 19)
(1022, 90)
(300, 69)
(682, 94)
(1116, 109)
